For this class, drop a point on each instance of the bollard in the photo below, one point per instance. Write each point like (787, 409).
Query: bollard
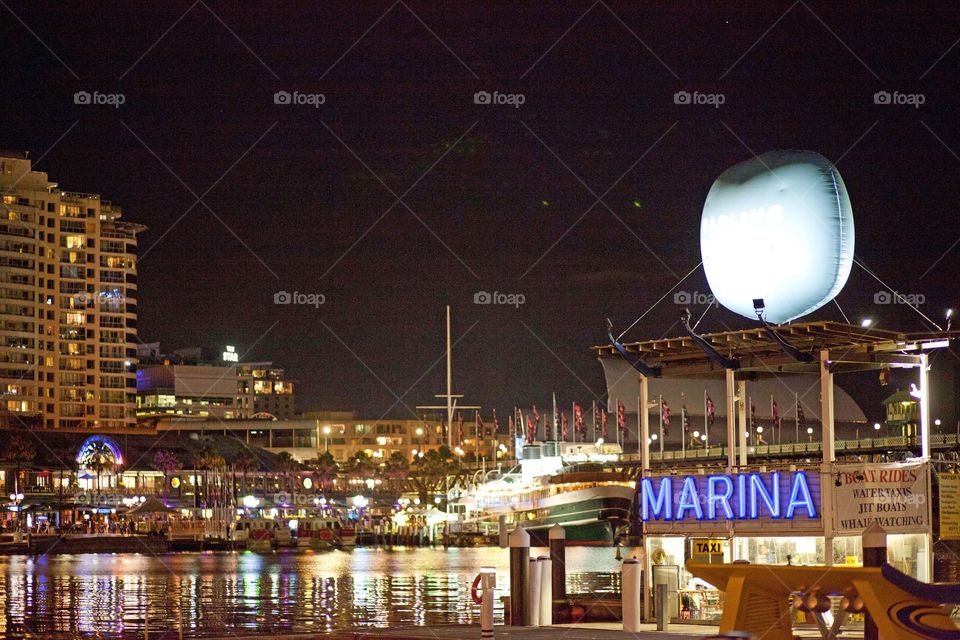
(663, 607)
(630, 594)
(519, 577)
(546, 591)
(558, 561)
(874, 555)
(502, 531)
(488, 581)
(533, 614)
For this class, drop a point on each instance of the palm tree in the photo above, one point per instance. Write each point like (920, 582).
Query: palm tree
(98, 457)
(325, 468)
(20, 450)
(245, 462)
(287, 465)
(166, 462)
(64, 451)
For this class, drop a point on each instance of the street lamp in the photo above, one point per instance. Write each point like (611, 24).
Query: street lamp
(326, 439)
(810, 434)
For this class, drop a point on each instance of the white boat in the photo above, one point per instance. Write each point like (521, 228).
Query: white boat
(554, 484)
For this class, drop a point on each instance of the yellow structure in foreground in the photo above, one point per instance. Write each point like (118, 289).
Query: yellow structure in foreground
(757, 598)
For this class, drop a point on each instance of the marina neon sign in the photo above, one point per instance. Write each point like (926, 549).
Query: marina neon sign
(745, 496)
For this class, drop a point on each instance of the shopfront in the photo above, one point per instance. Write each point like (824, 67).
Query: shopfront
(776, 516)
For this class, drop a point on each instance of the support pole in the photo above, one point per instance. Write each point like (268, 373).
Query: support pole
(519, 577)
(644, 417)
(742, 422)
(827, 447)
(731, 420)
(558, 562)
(546, 590)
(924, 408)
(488, 582)
(630, 592)
(533, 602)
(874, 555)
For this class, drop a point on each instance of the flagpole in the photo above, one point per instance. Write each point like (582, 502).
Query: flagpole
(553, 425)
(796, 409)
(639, 434)
(774, 425)
(706, 421)
(661, 428)
(683, 429)
(594, 427)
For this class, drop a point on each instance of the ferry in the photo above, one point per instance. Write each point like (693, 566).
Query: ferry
(554, 483)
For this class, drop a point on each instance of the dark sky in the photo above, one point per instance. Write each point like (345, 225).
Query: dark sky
(293, 199)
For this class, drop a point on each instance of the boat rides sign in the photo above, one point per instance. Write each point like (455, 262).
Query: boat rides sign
(744, 498)
(895, 496)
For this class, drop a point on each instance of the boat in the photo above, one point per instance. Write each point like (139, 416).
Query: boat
(311, 531)
(554, 483)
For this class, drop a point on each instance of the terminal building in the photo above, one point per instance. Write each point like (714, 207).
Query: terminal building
(790, 499)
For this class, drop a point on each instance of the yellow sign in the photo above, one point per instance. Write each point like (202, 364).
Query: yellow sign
(708, 547)
(949, 506)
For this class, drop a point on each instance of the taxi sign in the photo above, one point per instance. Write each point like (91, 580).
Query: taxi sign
(708, 547)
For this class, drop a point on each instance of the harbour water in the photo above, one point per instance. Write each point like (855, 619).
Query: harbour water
(223, 593)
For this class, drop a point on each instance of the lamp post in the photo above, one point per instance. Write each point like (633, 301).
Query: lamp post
(326, 439)
(810, 434)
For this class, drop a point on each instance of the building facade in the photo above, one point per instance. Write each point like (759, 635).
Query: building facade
(68, 304)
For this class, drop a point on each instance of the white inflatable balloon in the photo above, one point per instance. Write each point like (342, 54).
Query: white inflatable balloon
(777, 227)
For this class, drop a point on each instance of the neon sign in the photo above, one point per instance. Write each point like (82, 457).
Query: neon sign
(745, 496)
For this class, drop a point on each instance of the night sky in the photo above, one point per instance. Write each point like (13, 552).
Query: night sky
(585, 199)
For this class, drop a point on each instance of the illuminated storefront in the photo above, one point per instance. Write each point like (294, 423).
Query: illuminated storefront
(778, 517)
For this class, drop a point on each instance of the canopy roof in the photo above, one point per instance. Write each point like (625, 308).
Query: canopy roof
(760, 353)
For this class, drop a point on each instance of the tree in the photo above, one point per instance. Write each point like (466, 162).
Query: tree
(98, 457)
(396, 469)
(166, 462)
(325, 469)
(20, 450)
(431, 473)
(244, 463)
(287, 466)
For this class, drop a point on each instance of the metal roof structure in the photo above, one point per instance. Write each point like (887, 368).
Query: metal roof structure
(851, 348)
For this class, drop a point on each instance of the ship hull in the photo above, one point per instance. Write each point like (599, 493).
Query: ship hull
(590, 517)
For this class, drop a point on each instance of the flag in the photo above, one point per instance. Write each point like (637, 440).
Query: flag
(802, 419)
(460, 428)
(753, 413)
(496, 424)
(536, 422)
(711, 414)
(563, 426)
(776, 415)
(531, 431)
(603, 422)
(578, 426)
(665, 416)
(685, 418)
(512, 428)
(478, 423)
(621, 417)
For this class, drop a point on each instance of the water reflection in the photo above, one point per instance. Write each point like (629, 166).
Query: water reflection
(113, 595)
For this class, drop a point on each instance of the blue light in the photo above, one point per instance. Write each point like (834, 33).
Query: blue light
(772, 501)
(662, 503)
(689, 499)
(758, 495)
(723, 498)
(800, 496)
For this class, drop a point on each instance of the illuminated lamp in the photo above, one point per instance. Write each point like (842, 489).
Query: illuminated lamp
(777, 230)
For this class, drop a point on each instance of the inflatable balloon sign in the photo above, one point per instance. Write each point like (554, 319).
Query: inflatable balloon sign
(777, 227)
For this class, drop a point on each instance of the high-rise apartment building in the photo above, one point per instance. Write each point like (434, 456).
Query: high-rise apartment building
(68, 305)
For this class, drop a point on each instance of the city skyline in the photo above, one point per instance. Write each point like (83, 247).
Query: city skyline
(427, 195)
